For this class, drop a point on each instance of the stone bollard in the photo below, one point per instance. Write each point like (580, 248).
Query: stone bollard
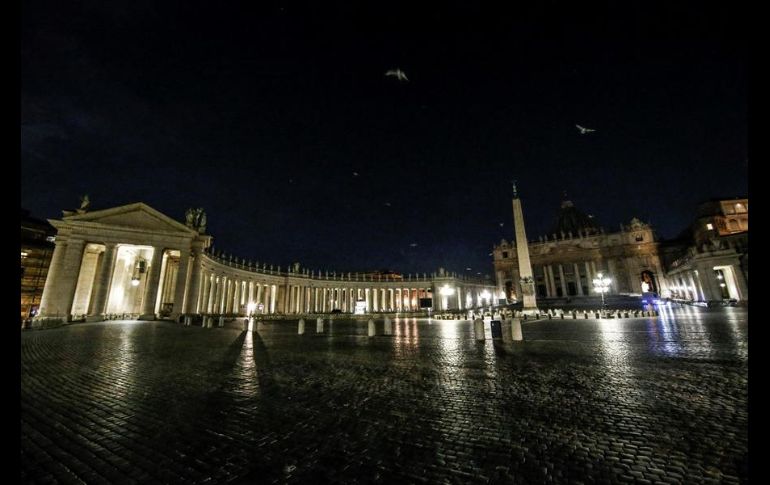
(371, 328)
(585, 315)
(221, 321)
(301, 327)
(549, 315)
(245, 324)
(574, 314)
(319, 325)
(516, 334)
(478, 329)
(210, 323)
(388, 326)
(596, 314)
(562, 315)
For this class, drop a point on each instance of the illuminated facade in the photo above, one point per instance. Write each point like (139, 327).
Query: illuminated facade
(711, 263)
(135, 262)
(565, 262)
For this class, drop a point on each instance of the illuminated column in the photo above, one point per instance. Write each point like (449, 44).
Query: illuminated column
(221, 290)
(181, 283)
(207, 301)
(699, 275)
(563, 281)
(577, 280)
(740, 282)
(103, 280)
(51, 282)
(713, 290)
(61, 292)
(151, 292)
(193, 291)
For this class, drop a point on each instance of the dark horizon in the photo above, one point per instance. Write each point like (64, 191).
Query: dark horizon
(280, 123)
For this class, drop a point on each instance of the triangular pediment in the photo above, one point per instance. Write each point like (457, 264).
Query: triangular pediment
(135, 216)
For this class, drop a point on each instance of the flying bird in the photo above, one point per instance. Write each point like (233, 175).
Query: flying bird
(414, 245)
(583, 131)
(355, 174)
(398, 74)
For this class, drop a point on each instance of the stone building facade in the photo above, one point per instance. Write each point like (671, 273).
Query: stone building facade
(710, 262)
(565, 262)
(135, 262)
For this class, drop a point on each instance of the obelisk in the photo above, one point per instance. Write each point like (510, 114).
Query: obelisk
(526, 280)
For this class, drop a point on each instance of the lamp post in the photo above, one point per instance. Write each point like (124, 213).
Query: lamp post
(602, 285)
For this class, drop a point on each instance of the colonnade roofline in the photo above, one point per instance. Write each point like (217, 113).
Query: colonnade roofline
(274, 270)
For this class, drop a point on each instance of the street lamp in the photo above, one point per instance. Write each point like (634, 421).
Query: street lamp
(602, 285)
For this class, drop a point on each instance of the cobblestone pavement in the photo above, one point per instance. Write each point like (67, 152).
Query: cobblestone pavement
(579, 401)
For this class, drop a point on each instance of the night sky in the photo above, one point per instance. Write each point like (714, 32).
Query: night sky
(279, 121)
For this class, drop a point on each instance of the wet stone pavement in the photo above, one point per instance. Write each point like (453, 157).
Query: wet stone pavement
(636, 400)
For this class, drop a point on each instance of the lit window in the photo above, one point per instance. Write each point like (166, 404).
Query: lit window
(51, 238)
(24, 254)
(710, 226)
(739, 208)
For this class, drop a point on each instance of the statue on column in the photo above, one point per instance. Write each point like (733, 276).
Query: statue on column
(85, 202)
(196, 219)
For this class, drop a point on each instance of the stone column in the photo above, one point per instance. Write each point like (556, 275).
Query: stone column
(552, 280)
(589, 277)
(713, 290)
(103, 281)
(578, 282)
(61, 292)
(563, 281)
(51, 282)
(740, 281)
(151, 292)
(181, 283)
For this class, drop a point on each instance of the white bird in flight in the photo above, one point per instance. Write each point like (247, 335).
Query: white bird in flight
(414, 245)
(398, 73)
(583, 131)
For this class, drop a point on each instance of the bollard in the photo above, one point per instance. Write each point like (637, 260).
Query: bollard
(221, 321)
(516, 334)
(301, 326)
(585, 315)
(388, 326)
(478, 329)
(371, 328)
(596, 315)
(549, 315)
(574, 314)
(210, 323)
(562, 315)
(319, 325)
(245, 324)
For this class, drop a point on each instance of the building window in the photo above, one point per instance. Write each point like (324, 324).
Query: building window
(734, 226)
(505, 254)
(739, 208)
(639, 238)
(710, 226)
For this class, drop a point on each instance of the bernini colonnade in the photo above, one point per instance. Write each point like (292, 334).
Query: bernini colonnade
(137, 262)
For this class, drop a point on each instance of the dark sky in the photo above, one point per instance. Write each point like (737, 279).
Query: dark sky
(261, 116)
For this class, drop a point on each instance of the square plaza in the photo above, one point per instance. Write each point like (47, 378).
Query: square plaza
(645, 400)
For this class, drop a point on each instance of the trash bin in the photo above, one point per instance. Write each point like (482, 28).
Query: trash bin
(497, 329)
